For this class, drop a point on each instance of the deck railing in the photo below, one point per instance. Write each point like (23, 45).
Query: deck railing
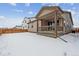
(49, 28)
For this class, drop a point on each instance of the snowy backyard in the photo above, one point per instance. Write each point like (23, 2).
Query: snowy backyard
(31, 44)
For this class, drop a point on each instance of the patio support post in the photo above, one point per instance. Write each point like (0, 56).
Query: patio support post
(37, 24)
(56, 23)
(62, 24)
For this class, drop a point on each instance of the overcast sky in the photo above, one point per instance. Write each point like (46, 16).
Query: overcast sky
(12, 14)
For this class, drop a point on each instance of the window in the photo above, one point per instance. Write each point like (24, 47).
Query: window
(49, 23)
(57, 21)
(32, 26)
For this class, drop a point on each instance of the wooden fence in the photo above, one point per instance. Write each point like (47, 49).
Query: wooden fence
(12, 30)
(75, 30)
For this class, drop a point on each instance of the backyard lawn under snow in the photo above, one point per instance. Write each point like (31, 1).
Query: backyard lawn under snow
(31, 44)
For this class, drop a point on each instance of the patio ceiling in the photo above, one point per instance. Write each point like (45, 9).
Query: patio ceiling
(47, 16)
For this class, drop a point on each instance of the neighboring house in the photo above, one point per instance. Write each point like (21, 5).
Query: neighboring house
(24, 24)
(25, 21)
(51, 21)
(32, 25)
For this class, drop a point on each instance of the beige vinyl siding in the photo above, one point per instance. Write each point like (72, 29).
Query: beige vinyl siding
(32, 27)
(39, 23)
(68, 24)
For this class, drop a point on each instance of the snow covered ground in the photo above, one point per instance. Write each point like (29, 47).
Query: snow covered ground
(31, 44)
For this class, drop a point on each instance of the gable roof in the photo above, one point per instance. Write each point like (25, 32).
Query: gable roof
(48, 8)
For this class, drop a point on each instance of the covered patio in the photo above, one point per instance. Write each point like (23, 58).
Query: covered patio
(51, 23)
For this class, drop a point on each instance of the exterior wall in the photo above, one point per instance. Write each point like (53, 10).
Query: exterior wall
(67, 23)
(32, 27)
(60, 22)
(39, 23)
(60, 25)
